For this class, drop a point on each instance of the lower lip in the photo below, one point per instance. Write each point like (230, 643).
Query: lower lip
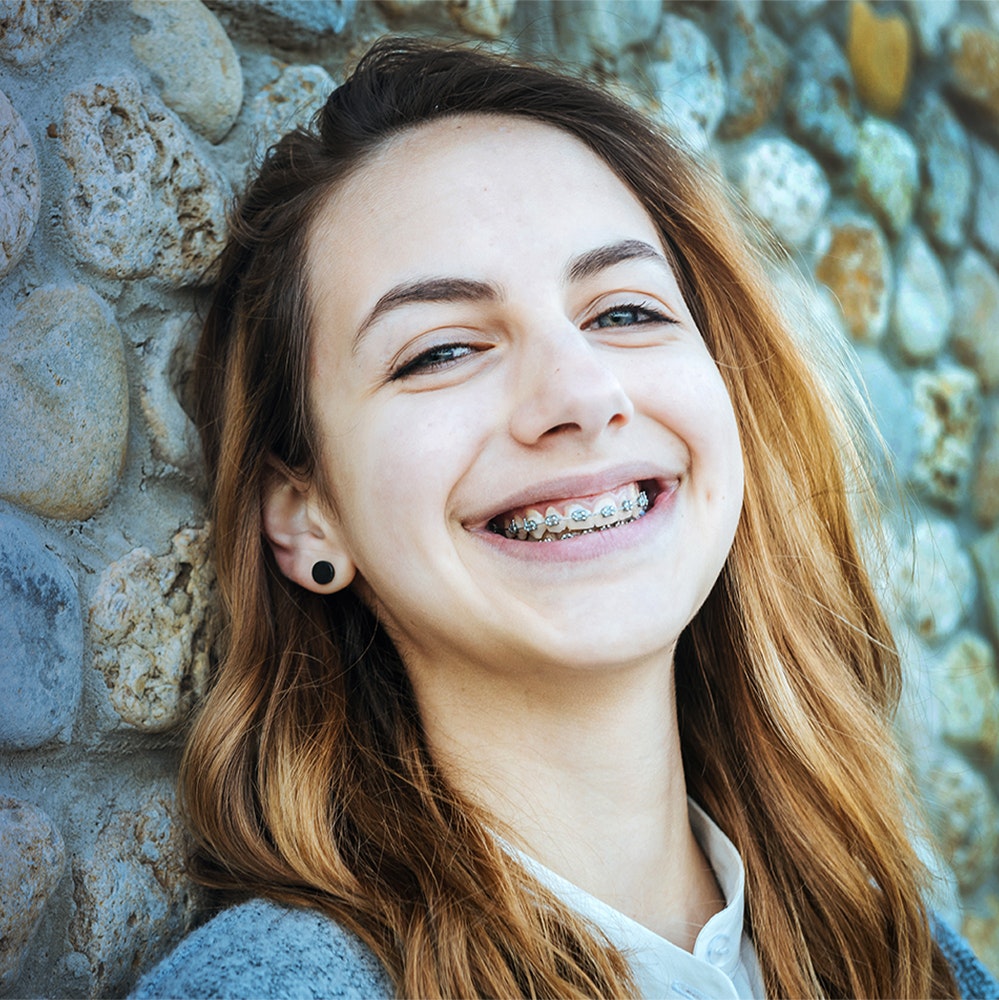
(592, 545)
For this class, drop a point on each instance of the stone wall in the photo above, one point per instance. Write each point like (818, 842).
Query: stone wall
(866, 138)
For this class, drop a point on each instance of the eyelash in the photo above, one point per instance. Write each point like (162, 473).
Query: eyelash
(432, 360)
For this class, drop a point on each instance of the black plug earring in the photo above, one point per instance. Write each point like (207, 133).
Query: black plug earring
(323, 572)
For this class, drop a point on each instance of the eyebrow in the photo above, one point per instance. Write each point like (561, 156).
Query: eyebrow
(443, 289)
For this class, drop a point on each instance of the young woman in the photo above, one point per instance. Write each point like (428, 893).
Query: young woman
(551, 667)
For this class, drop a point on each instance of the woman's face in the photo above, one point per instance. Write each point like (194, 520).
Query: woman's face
(498, 338)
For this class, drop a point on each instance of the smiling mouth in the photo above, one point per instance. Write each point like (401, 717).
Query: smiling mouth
(561, 520)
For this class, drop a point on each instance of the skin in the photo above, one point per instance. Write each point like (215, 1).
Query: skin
(495, 322)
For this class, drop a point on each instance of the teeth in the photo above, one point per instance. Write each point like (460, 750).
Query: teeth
(554, 521)
(606, 511)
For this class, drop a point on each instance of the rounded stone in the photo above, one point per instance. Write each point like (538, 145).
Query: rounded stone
(20, 187)
(485, 18)
(976, 317)
(41, 640)
(964, 683)
(948, 411)
(880, 53)
(985, 551)
(132, 900)
(891, 400)
(29, 28)
(822, 108)
(854, 263)
(150, 629)
(933, 579)
(791, 17)
(986, 214)
(689, 83)
(63, 403)
(189, 53)
(757, 62)
(980, 928)
(783, 185)
(143, 201)
(606, 26)
(304, 24)
(973, 63)
(930, 19)
(923, 310)
(985, 485)
(32, 860)
(887, 172)
(285, 103)
(945, 196)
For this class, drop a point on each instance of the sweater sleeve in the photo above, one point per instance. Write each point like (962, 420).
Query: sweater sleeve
(260, 949)
(973, 979)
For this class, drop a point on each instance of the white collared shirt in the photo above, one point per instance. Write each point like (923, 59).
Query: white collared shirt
(723, 964)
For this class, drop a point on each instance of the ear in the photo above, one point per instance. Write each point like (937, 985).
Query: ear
(301, 532)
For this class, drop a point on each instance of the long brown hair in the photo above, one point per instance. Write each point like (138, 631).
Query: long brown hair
(307, 778)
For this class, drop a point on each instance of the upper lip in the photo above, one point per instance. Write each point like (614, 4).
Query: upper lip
(563, 488)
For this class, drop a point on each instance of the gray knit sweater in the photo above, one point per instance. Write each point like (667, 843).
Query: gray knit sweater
(260, 949)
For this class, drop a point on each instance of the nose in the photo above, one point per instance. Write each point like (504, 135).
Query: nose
(566, 386)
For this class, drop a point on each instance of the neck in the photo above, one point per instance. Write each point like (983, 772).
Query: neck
(584, 774)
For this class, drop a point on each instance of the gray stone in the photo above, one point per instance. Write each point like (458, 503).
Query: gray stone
(887, 172)
(32, 860)
(932, 579)
(973, 55)
(150, 628)
(986, 215)
(855, 265)
(923, 310)
(132, 902)
(688, 80)
(930, 17)
(41, 640)
(292, 23)
(757, 62)
(822, 105)
(188, 51)
(891, 400)
(285, 103)
(606, 26)
(945, 196)
(486, 18)
(964, 682)
(976, 317)
(143, 200)
(783, 185)
(20, 187)
(63, 403)
(948, 411)
(985, 485)
(29, 28)
(791, 17)
(985, 551)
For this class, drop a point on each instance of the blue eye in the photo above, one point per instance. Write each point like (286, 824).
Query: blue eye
(433, 359)
(629, 315)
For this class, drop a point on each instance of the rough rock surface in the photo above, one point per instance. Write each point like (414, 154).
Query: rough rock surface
(32, 859)
(976, 317)
(188, 51)
(966, 685)
(974, 69)
(29, 28)
(63, 403)
(783, 185)
(891, 400)
(880, 52)
(985, 486)
(143, 200)
(985, 551)
(486, 18)
(131, 900)
(150, 628)
(948, 410)
(930, 20)
(887, 172)
(289, 22)
(854, 263)
(986, 213)
(921, 316)
(41, 640)
(606, 27)
(20, 187)
(757, 62)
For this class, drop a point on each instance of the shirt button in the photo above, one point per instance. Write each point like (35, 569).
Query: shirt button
(718, 948)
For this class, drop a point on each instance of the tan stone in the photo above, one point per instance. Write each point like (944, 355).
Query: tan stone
(855, 265)
(32, 859)
(20, 187)
(488, 18)
(188, 51)
(151, 629)
(880, 52)
(132, 901)
(974, 68)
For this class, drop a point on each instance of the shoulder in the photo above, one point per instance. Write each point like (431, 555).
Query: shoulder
(973, 979)
(261, 949)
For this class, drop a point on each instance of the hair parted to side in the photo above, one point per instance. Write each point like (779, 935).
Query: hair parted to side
(307, 778)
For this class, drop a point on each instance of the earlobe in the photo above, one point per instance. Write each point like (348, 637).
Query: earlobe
(301, 536)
